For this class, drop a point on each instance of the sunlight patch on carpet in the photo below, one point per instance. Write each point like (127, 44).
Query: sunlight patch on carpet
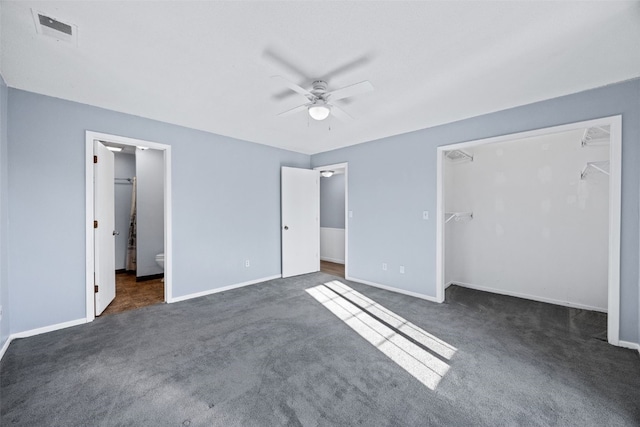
(390, 338)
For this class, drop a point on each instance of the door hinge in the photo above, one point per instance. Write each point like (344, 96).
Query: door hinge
(95, 288)
(95, 224)
(95, 159)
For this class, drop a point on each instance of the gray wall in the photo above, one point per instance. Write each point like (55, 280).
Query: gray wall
(226, 205)
(124, 167)
(4, 283)
(392, 180)
(150, 211)
(332, 201)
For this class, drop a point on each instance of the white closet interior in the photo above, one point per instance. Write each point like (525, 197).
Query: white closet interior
(529, 218)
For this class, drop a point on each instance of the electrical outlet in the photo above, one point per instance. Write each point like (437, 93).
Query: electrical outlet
(247, 263)
(425, 214)
(402, 269)
(384, 266)
(350, 214)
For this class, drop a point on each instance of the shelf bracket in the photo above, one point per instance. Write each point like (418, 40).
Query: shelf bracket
(602, 167)
(457, 216)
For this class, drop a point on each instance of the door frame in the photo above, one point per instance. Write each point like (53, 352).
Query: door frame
(90, 136)
(344, 166)
(615, 208)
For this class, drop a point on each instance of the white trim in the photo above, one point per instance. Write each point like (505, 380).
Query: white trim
(615, 208)
(224, 288)
(334, 260)
(89, 176)
(448, 284)
(629, 344)
(527, 296)
(4, 348)
(344, 165)
(392, 289)
(90, 301)
(615, 215)
(49, 328)
(439, 226)
(38, 331)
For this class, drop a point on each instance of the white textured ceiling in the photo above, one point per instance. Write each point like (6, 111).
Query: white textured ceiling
(207, 65)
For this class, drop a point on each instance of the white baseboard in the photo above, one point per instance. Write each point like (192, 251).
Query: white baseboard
(337, 261)
(5, 346)
(629, 344)
(49, 328)
(38, 331)
(224, 288)
(448, 284)
(527, 296)
(55, 327)
(392, 289)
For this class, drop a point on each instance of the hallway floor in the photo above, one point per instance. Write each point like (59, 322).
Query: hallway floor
(131, 294)
(332, 268)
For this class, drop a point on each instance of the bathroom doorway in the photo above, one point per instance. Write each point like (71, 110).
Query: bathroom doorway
(139, 211)
(333, 219)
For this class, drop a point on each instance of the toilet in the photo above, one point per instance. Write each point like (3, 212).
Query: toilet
(160, 260)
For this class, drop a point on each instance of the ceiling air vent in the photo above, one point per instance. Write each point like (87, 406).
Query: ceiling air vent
(52, 27)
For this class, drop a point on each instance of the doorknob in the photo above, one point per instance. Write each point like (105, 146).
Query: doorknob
(116, 233)
(286, 227)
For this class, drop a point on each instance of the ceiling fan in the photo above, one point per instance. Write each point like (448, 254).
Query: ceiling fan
(321, 101)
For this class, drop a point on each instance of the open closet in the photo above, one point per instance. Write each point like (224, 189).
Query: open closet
(530, 217)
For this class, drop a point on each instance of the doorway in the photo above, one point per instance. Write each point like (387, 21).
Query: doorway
(153, 161)
(333, 219)
(586, 192)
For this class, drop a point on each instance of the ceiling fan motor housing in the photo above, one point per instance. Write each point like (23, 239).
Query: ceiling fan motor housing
(319, 88)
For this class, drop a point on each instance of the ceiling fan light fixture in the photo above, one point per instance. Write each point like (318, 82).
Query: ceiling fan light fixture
(327, 174)
(319, 111)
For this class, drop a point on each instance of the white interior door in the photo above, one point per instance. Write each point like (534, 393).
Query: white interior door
(104, 238)
(300, 221)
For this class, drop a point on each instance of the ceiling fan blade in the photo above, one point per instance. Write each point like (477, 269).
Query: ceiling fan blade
(294, 87)
(279, 60)
(354, 89)
(347, 67)
(294, 110)
(340, 114)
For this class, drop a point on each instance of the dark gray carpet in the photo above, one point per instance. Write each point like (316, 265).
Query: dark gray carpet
(270, 354)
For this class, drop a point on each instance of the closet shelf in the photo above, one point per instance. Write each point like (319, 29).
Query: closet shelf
(595, 136)
(458, 216)
(602, 167)
(458, 156)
